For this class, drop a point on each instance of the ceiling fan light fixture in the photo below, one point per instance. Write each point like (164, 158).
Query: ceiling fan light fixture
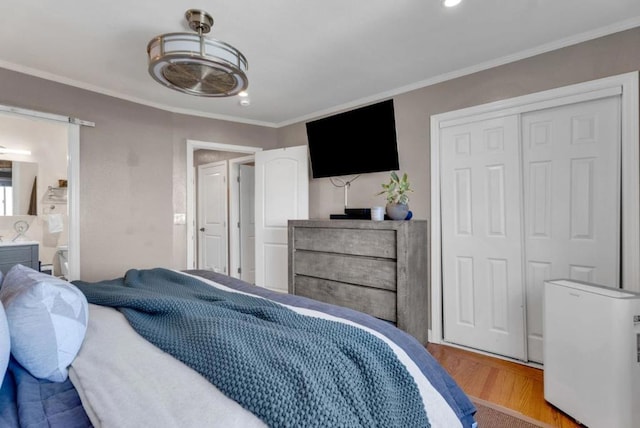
(196, 65)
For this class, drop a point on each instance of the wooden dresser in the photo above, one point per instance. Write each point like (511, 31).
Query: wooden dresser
(376, 267)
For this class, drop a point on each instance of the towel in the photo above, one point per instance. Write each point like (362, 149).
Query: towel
(56, 224)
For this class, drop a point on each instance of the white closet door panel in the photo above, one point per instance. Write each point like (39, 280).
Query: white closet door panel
(462, 207)
(465, 291)
(481, 236)
(571, 170)
(499, 292)
(496, 215)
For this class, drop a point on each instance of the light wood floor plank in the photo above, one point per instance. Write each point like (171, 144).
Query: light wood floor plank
(512, 385)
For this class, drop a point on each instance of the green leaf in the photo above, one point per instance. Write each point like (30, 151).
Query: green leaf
(396, 189)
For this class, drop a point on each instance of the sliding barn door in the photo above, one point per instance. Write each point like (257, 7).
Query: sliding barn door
(481, 236)
(571, 170)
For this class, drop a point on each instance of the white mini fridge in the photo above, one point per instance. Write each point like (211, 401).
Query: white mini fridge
(591, 339)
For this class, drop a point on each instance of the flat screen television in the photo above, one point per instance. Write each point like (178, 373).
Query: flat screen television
(354, 142)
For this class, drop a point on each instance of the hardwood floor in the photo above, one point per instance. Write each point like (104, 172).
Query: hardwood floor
(515, 386)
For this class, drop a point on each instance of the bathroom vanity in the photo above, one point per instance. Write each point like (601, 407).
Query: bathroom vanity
(24, 253)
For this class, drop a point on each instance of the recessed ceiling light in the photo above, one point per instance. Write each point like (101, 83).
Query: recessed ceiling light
(243, 94)
(451, 3)
(245, 102)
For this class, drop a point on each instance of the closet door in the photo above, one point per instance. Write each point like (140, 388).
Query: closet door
(571, 171)
(483, 290)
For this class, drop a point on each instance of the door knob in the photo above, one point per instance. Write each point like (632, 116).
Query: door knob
(202, 229)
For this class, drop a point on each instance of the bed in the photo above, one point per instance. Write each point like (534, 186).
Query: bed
(167, 348)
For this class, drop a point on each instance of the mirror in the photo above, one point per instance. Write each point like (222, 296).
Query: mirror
(18, 188)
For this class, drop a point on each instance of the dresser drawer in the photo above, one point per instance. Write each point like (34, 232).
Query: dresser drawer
(375, 302)
(371, 272)
(359, 242)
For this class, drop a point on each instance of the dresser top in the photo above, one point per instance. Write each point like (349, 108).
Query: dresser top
(358, 224)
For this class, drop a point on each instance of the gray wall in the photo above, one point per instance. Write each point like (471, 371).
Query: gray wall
(203, 157)
(615, 54)
(132, 171)
(132, 164)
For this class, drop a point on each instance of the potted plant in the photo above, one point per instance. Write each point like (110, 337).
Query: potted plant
(397, 193)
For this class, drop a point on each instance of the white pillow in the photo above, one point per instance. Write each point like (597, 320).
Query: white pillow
(47, 321)
(5, 343)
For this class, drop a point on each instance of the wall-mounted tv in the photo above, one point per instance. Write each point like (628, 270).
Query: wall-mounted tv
(354, 142)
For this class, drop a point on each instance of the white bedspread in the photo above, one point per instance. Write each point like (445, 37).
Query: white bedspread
(125, 381)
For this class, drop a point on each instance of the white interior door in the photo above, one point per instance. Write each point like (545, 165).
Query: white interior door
(483, 290)
(212, 217)
(282, 193)
(247, 224)
(561, 221)
(571, 170)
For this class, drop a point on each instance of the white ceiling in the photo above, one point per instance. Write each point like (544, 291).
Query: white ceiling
(306, 58)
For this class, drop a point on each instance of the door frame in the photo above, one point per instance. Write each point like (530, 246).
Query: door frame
(73, 175)
(234, 213)
(625, 85)
(192, 146)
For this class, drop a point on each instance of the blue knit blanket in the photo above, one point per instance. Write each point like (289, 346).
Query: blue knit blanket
(288, 369)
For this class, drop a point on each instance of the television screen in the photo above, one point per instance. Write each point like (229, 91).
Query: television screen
(358, 141)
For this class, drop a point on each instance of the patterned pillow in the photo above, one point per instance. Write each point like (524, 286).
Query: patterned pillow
(47, 321)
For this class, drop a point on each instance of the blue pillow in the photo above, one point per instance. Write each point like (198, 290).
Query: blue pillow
(5, 343)
(47, 319)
